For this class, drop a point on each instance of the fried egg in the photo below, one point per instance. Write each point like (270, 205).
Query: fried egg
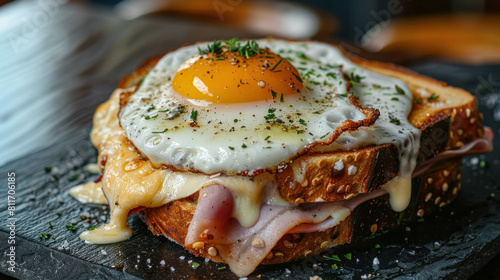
(227, 111)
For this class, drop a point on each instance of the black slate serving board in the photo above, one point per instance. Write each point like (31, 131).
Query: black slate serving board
(451, 244)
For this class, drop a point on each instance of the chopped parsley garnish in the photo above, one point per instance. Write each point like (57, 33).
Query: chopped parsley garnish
(150, 109)
(165, 130)
(432, 97)
(314, 82)
(71, 227)
(195, 265)
(343, 94)
(377, 246)
(418, 101)
(309, 73)
(235, 120)
(399, 90)
(300, 131)
(348, 256)
(267, 138)
(298, 77)
(353, 79)
(270, 114)
(50, 225)
(483, 164)
(282, 99)
(92, 227)
(334, 266)
(59, 213)
(276, 65)
(141, 80)
(249, 49)
(302, 55)
(303, 122)
(222, 268)
(400, 218)
(376, 86)
(151, 117)
(394, 120)
(48, 169)
(267, 147)
(394, 99)
(332, 75)
(333, 258)
(215, 48)
(46, 236)
(231, 148)
(74, 177)
(233, 44)
(244, 146)
(274, 94)
(194, 115)
(324, 135)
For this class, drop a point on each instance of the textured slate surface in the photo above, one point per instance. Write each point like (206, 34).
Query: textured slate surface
(452, 244)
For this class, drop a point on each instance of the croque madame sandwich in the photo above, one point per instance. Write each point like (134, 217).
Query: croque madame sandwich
(266, 151)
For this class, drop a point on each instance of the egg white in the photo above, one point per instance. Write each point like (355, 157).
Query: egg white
(232, 138)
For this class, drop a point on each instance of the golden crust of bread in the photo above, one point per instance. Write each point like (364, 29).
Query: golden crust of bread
(323, 181)
(455, 109)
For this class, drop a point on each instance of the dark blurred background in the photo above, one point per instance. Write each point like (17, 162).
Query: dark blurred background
(397, 30)
(358, 13)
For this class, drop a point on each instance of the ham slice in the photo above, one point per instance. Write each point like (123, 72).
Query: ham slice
(234, 242)
(245, 248)
(213, 212)
(478, 146)
(330, 222)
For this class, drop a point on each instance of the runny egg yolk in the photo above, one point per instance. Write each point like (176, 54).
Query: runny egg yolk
(231, 78)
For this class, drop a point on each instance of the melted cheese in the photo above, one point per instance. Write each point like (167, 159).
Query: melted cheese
(129, 181)
(399, 189)
(89, 193)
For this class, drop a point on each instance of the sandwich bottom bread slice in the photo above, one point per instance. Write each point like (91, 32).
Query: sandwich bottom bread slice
(337, 188)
